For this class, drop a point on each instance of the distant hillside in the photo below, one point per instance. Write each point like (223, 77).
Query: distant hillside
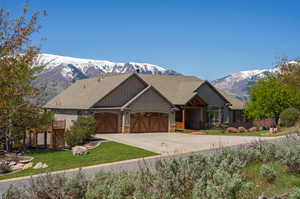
(239, 83)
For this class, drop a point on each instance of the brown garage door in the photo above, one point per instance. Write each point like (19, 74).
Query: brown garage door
(106, 122)
(148, 122)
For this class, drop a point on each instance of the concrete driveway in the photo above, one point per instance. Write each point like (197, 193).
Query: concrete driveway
(177, 143)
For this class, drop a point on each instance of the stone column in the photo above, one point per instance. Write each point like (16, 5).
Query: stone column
(125, 122)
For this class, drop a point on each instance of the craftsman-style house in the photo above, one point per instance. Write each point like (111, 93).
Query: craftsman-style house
(133, 103)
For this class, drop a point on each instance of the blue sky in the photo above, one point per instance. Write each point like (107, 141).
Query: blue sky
(208, 39)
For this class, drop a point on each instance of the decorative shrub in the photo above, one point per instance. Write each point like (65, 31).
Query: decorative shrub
(221, 184)
(295, 194)
(81, 131)
(290, 156)
(51, 186)
(289, 117)
(264, 123)
(268, 172)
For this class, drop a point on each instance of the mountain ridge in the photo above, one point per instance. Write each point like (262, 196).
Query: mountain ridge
(61, 71)
(239, 83)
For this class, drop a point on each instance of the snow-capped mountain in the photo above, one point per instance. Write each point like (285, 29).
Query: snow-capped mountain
(239, 83)
(61, 71)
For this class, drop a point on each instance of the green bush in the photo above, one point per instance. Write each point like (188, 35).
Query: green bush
(289, 117)
(51, 186)
(221, 184)
(295, 194)
(290, 157)
(81, 131)
(268, 172)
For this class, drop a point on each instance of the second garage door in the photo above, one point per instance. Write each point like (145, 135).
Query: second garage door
(148, 122)
(106, 122)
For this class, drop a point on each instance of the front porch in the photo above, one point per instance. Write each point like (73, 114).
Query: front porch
(192, 115)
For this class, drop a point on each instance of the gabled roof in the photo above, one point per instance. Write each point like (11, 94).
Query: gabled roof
(178, 90)
(142, 92)
(236, 104)
(85, 93)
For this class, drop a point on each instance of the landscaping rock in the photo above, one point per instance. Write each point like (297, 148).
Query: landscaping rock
(242, 129)
(273, 130)
(39, 165)
(12, 163)
(79, 150)
(28, 165)
(253, 129)
(26, 160)
(232, 130)
(44, 166)
(17, 167)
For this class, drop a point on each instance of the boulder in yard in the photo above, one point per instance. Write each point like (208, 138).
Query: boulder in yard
(28, 165)
(79, 150)
(253, 129)
(44, 166)
(232, 130)
(39, 165)
(242, 129)
(16, 167)
(12, 163)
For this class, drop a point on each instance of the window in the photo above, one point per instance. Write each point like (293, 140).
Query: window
(215, 114)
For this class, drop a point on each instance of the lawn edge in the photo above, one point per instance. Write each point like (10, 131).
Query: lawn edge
(79, 168)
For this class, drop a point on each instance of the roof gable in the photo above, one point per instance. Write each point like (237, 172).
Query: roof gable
(176, 88)
(236, 104)
(85, 93)
(149, 99)
(122, 93)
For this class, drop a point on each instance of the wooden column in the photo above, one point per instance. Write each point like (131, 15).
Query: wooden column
(183, 117)
(45, 138)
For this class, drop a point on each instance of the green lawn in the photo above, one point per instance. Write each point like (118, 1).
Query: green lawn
(284, 181)
(264, 133)
(62, 159)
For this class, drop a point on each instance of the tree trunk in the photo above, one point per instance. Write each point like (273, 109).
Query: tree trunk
(8, 136)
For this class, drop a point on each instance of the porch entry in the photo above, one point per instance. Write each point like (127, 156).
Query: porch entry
(192, 115)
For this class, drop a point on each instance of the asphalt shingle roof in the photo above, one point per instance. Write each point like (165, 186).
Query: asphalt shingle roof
(83, 94)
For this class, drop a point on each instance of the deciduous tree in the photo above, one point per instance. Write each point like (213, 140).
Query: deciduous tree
(269, 97)
(17, 58)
